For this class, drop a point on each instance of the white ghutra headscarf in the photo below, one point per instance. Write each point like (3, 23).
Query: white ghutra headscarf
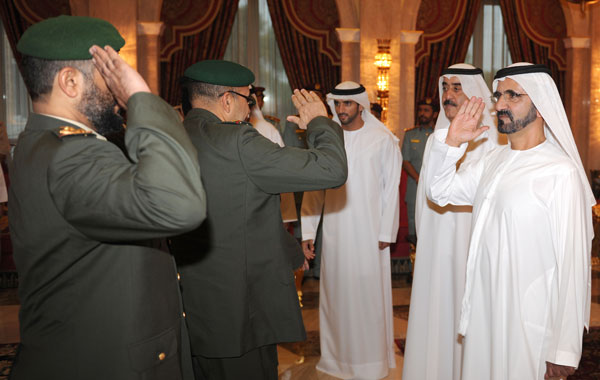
(356, 92)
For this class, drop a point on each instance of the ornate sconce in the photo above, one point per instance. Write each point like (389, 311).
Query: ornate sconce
(383, 61)
(584, 3)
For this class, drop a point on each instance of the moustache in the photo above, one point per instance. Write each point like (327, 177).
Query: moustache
(450, 103)
(342, 114)
(505, 113)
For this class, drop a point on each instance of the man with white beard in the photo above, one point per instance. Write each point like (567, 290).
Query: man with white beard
(528, 284)
(433, 350)
(360, 220)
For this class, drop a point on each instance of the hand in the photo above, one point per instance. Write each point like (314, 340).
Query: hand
(558, 371)
(383, 245)
(122, 80)
(465, 126)
(308, 248)
(309, 106)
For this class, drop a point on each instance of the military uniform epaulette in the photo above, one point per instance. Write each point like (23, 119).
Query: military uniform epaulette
(239, 122)
(272, 118)
(409, 129)
(68, 130)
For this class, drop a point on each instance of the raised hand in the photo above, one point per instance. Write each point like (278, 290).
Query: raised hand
(465, 126)
(309, 106)
(122, 80)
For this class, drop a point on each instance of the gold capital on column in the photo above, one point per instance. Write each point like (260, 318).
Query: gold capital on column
(348, 34)
(150, 28)
(410, 36)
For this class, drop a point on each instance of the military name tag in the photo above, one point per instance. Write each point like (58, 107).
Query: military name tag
(415, 140)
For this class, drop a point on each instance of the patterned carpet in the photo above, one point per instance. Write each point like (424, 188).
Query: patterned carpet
(7, 355)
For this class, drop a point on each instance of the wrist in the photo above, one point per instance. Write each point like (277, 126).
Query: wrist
(452, 142)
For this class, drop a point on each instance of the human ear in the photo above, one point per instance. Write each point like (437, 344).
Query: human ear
(226, 102)
(70, 81)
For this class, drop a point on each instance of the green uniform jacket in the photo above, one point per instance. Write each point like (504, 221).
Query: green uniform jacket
(237, 268)
(94, 303)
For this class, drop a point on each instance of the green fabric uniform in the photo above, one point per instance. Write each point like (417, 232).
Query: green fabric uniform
(96, 301)
(237, 268)
(413, 148)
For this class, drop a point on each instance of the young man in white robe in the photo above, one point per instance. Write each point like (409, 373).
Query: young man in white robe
(528, 285)
(360, 220)
(433, 349)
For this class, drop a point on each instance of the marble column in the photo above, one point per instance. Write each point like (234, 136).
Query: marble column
(577, 92)
(350, 38)
(593, 161)
(404, 103)
(148, 53)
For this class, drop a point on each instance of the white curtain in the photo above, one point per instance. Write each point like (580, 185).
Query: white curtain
(15, 105)
(252, 44)
(488, 49)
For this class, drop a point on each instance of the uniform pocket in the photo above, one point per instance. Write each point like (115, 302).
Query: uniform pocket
(157, 357)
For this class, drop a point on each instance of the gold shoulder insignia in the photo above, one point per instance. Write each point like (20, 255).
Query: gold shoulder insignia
(408, 129)
(67, 130)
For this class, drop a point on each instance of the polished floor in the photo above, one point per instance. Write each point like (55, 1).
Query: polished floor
(296, 362)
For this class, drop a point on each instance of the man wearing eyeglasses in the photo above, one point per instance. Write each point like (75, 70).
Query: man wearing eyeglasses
(236, 270)
(528, 286)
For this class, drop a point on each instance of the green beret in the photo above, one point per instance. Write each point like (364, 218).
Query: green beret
(66, 38)
(222, 73)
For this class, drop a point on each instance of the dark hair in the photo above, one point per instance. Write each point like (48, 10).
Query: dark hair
(192, 89)
(38, 73)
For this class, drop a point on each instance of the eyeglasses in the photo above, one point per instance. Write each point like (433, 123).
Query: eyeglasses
(508, 96)
(249, 99)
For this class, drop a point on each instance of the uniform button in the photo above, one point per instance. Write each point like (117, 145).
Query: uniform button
(178, 277)
(162, 356)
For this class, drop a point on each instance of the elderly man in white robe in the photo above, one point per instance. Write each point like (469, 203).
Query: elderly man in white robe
(433, 349)
(528, 285)
(360, 220)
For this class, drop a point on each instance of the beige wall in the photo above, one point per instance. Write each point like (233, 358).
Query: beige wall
(138, 21)
(382, 19)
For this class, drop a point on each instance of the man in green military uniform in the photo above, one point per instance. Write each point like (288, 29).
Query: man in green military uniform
(413, 148)
(97, 302)
(237, 268)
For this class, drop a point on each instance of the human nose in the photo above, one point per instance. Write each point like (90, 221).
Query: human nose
(501, 103)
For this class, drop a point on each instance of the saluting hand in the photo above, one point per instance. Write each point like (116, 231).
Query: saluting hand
(465, 126)
(122, 80)
(309, 106)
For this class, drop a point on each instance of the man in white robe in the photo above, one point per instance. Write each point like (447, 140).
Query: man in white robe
(360, 220)
(528, 285)
(433, 350)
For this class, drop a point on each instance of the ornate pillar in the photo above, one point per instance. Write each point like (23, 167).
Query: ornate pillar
(148, 53)
(593, 159)
(577, 94)
(404, 86)
(350, 38)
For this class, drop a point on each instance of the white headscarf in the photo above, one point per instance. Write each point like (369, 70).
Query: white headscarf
(361, 98)
(472, 85)
(543, 93)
